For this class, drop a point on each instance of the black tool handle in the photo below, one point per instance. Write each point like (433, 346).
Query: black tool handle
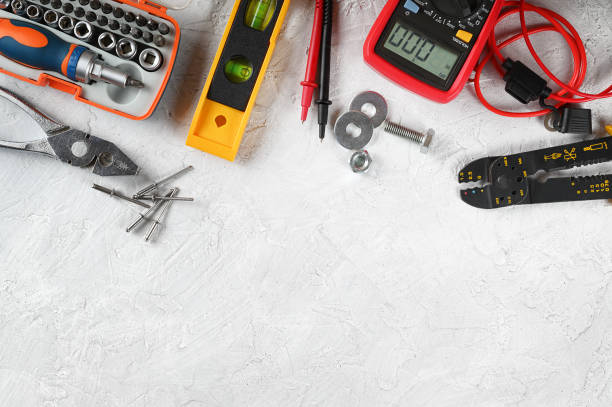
(323, 101)
(569, 155)
(571, 189)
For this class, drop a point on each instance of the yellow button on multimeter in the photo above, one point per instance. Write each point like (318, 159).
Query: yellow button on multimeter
(464, 36)
(236, 75)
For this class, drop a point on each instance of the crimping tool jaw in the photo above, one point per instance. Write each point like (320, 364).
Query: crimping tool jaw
(502, 182)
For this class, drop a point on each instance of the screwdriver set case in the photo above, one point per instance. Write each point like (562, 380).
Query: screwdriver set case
(137, 38)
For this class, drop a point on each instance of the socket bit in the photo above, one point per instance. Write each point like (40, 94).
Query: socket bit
(136, 32)
(129, 16)
(147, 37)
(34, 12)
(44, 2)
(67, 8)
(113, 24)
(83, 2)
(107, 41)
(90, 16)
(150, 59)
(107, 8)
(126, 48)
(66, 24)
(19, 7)
(102, 20)
(161, 214)
(79, 12)
(141, 20)
(56, 4)
(95, 4)
(83, 31)
(163, 28)
(159, 41)
(125, 29)
(152, 25)
(51, 18)
(118, 12)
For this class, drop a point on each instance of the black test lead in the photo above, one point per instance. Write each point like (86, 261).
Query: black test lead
(324, 67)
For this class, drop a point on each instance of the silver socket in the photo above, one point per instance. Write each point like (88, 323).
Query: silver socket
(19, 7)
(150, 59)
(83, 31)
(34, 12)
(51, 18)
(66, 24)
(107, 41)
(126, 48)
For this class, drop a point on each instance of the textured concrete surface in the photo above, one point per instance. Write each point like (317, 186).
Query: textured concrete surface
(291, 281)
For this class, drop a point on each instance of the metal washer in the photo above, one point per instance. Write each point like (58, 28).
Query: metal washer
(360, 120)
(379, 103)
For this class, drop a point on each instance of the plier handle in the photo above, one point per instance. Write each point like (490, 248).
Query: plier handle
(71, 146)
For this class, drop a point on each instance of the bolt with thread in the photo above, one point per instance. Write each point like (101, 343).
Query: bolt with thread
(424, 140)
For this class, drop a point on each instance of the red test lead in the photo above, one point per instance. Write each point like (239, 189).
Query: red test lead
(309, 84)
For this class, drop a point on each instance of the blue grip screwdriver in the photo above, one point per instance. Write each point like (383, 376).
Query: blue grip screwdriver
(38, 48)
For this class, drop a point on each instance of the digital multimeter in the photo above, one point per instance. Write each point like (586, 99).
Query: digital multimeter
(430, 47)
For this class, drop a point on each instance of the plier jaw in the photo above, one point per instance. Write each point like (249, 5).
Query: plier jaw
(508, 180)
(502, 181)
(82, 150)
(69, 145)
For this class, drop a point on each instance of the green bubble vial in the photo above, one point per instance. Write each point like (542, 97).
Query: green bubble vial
(238, 69)
(259, 13)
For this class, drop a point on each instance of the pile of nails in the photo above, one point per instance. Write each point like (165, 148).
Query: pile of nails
(160, 203)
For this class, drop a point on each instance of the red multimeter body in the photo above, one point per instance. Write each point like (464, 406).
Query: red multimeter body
(430, 47)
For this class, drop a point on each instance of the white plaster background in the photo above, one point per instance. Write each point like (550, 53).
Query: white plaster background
(291, 281)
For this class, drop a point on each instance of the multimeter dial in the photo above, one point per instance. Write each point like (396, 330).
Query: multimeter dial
(457, 8)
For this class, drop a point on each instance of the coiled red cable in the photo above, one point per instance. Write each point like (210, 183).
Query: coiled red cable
(570, 92)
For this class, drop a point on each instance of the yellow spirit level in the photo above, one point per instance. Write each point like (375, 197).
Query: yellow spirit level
(236, 75)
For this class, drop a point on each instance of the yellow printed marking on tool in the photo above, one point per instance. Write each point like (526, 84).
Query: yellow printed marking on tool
(598, 146)
(609, 130)
(570, 155)
(553, 156)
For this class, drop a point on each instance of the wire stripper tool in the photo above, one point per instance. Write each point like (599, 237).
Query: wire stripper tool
(71, 146)
(508, 180)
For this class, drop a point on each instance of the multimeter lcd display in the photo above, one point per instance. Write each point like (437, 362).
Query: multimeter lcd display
(422, 51)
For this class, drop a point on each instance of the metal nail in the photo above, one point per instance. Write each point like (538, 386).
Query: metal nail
(166, 198)
(145, 215)
(154, 185)
(119, 195)
(163, 211)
